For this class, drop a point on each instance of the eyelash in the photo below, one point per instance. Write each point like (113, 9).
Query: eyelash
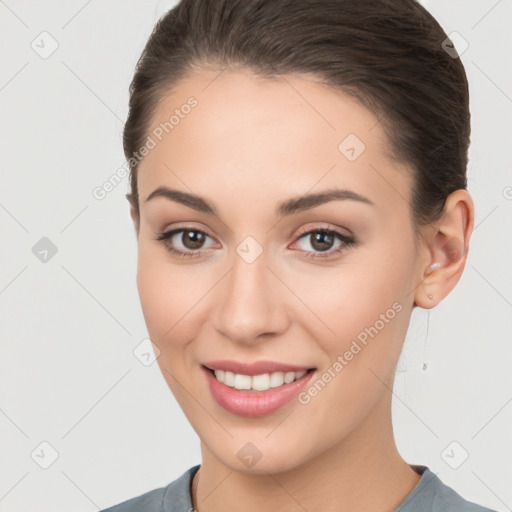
(346, 240)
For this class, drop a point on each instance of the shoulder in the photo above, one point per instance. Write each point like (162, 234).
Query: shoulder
(431, 494)
(176, 494)
(149, 502)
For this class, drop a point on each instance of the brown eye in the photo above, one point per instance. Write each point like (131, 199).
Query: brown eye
(184, 241)
(322, 241)
(192, 239)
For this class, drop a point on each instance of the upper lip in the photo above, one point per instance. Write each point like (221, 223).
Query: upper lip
(256, 368)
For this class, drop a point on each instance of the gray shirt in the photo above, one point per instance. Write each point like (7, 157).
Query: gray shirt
(429, 495)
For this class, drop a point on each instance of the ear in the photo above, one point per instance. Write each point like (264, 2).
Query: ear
(447, 245)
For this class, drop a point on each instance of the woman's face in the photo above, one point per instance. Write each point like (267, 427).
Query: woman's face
(253, 286)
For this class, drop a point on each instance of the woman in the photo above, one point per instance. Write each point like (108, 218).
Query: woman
(298, 174)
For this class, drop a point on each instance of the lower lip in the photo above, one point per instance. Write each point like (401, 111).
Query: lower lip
(254, 403)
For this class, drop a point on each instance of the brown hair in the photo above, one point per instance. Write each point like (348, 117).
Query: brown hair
(388, 54)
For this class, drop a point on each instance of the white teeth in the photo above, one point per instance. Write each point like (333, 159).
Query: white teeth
(242, 381)
(229, 378)
(289, 377)
(257, 382)
(260, 382)
(276, 379)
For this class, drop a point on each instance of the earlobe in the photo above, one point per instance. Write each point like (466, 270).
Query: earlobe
(448, 249)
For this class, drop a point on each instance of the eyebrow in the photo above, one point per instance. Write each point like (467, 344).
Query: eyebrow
(285, 208)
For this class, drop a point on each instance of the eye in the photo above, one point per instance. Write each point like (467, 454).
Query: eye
(191, 240)
(322, 240)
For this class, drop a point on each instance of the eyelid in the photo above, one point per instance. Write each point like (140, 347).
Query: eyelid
(168, 233)
(347, 239)
(325, 226)
(302, 231)
(191, 225)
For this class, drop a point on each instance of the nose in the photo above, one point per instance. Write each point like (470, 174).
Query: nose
(250, 302)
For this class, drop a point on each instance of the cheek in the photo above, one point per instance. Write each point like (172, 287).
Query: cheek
(367, 318)
(169, 296)
(364, 308)
(354, 296)
(335, 304)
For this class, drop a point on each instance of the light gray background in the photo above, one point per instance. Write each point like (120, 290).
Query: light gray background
(69, 326)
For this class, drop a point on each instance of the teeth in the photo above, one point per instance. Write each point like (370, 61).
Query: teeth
(242, 381)
(257, 382)
(260, 382)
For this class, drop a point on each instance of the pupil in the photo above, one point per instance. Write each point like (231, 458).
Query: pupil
(320, 237)
(192, 239)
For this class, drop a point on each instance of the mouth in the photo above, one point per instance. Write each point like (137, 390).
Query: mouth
(254, 394)
(256, 382)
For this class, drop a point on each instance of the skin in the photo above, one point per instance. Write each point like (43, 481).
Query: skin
(249, 144)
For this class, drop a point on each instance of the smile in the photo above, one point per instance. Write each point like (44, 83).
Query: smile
(257, 382)
(254, 393)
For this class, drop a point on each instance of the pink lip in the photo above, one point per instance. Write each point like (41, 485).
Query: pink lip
(257, 368)
(252, 403)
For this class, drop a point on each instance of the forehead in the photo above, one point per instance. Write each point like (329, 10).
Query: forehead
(263, 135)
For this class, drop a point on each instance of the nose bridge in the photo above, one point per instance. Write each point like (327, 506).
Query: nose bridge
(249, 302)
